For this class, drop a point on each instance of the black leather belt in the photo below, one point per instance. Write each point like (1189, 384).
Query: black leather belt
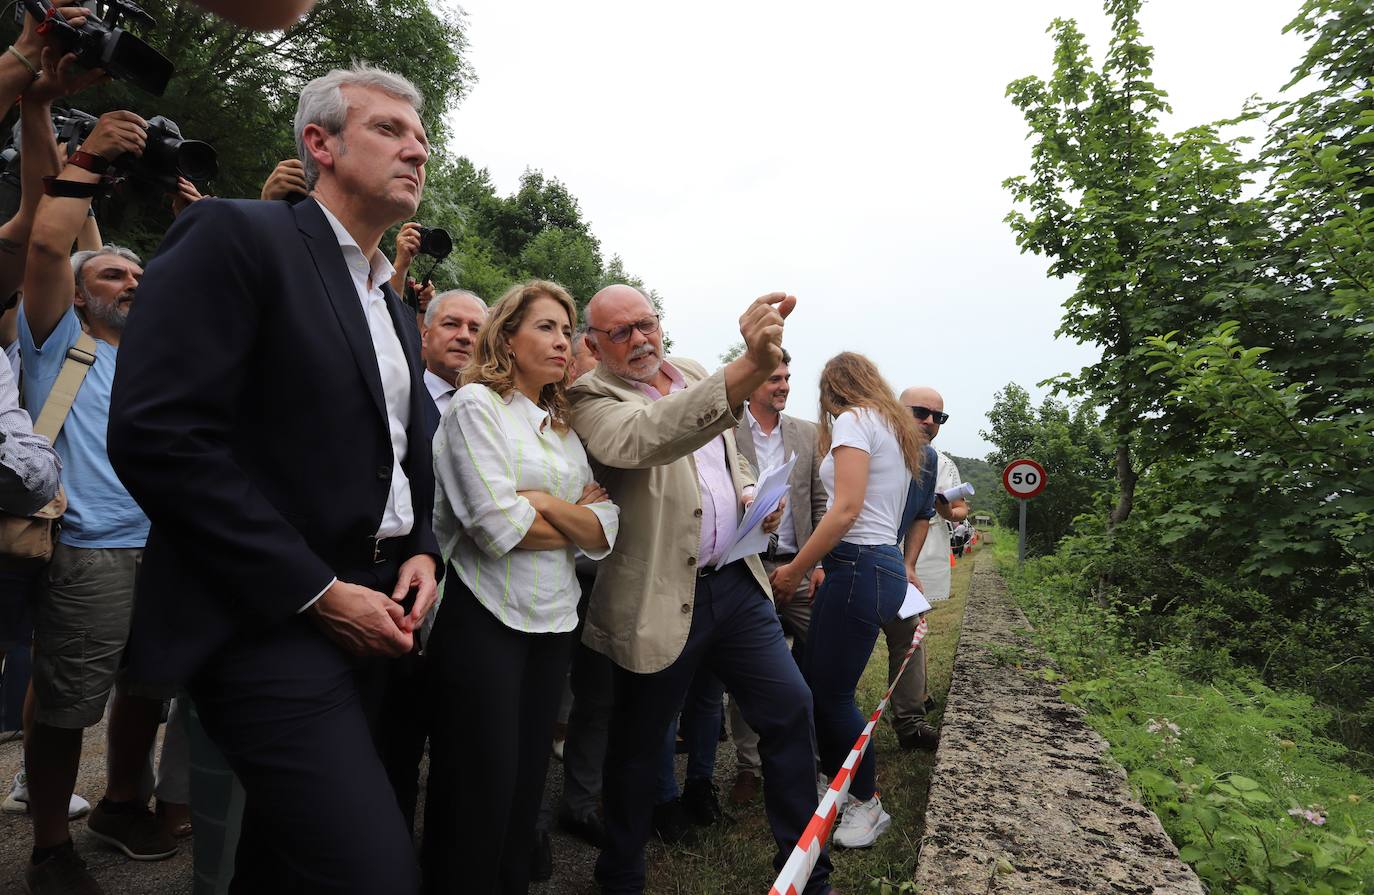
(372, 552)
(708, 571)
(779, 558)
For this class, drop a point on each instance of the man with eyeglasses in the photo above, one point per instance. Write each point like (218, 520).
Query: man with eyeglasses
(910, 700)
(664, 431)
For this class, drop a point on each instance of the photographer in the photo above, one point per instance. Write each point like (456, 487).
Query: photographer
(411, 241)
(35, 68)
(84, 608)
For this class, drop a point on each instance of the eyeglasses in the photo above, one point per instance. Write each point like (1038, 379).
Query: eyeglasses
(648, 326)
(922, 412)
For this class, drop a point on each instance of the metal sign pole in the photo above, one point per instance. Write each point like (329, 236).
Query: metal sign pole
(1021, 544)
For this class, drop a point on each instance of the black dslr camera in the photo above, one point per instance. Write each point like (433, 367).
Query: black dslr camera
(166, 155)
(100, 43)
(435, 242)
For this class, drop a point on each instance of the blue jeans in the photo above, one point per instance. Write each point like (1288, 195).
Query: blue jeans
(864, 587)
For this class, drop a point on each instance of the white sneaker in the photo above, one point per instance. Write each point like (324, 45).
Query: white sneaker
(822, 787)
(862, 824)
(17, 802)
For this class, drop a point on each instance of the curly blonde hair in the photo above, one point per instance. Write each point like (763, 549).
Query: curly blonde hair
(492, 364)
(849, 381)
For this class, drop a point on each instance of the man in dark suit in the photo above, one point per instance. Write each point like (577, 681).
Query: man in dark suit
(268, 415)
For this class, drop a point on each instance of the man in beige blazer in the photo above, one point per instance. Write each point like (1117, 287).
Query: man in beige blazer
(767, 437)
(663, 432)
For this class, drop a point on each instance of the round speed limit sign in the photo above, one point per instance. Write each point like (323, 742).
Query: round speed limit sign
(1023, 478)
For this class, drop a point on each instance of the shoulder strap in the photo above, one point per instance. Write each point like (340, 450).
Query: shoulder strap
(80, 358)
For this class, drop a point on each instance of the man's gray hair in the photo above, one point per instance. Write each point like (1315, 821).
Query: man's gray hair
(80, 259)
(433, 310)
(578, 337)
(322, 102)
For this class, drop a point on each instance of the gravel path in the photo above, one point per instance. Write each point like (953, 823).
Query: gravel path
(573, 859)
(1024, 799)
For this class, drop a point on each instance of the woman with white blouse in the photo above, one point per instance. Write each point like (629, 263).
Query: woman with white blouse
(514, 502)
(872, 448)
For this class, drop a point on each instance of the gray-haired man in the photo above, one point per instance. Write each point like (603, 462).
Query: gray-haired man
(446, 340)
(269, 415)
(83, 612)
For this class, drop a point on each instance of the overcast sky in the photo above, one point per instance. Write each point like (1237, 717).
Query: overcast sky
(851, 154)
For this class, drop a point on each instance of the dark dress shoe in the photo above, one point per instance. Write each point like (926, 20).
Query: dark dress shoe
(541, 862)
(700, 802)
(922, 736)
(672, 823)
(590, 829)
(746, 788)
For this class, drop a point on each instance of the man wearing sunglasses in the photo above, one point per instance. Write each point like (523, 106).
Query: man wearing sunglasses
(908, 706)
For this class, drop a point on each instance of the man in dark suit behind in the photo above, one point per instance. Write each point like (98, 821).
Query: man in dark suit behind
(268, 416)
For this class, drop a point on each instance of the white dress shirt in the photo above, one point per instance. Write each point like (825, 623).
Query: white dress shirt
(440, 389)
(489, 448)
(770, 453)
(399, 516)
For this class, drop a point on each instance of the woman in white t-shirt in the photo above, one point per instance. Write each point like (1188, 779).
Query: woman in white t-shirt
(514, 502)
(872, 447)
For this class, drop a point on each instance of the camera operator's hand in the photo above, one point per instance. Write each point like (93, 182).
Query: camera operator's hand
(31, 43)
(287, 178)
(115, 134)
(423, 296)
(407, 246)
(61, 77)
(185, 194)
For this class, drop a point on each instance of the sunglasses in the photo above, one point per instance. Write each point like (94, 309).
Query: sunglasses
(618, 335)
(921, 413)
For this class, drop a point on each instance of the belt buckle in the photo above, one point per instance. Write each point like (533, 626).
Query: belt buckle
(377, 551)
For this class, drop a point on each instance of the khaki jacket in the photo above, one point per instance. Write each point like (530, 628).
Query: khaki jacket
(805, 494)
(641, 607)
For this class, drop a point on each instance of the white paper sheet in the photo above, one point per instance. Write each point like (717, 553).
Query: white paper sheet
(750, 536)
(958, 492)
(914, 603)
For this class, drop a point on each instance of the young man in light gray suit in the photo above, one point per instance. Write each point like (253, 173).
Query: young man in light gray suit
(767, 437)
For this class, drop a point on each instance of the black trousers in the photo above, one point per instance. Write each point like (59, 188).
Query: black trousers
(395, 701)
(320, 815)
(495, 694)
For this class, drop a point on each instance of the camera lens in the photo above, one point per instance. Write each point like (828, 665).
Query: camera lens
(196, 160)
(435, 242)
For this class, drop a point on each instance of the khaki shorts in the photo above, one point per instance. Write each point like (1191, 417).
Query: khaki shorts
(81, 623)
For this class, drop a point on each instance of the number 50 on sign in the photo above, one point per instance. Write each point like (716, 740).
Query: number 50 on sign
(1023, 478)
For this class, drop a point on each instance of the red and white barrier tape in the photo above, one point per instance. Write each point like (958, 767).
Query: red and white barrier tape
(797, 870)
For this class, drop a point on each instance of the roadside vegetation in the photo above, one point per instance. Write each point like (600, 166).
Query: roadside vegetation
(1246, 780)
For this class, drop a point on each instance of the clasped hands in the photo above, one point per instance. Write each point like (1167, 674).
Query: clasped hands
(365, 622)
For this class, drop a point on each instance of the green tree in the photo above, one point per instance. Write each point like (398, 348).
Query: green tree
(568, 257)
(236, 89)
(1149, 227)
(1068, 441)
